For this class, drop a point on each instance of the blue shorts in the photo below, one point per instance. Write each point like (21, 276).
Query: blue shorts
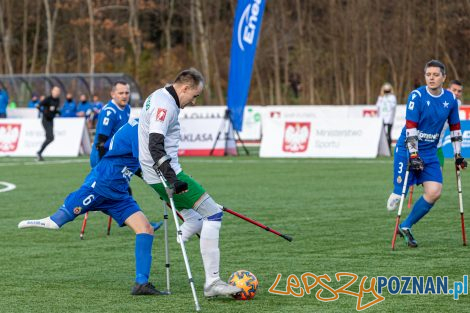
(86, 199)
(432, 170)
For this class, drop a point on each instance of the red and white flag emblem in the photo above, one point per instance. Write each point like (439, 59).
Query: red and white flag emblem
(161, 114)
(296, 137)
(9, 137)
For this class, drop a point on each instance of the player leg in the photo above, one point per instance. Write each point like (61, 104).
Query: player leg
(76, 203)
(431, 178)
(192, 223)
(400, 162)
(49, 129)
(127, 212)
(211, 213)
(209, 245)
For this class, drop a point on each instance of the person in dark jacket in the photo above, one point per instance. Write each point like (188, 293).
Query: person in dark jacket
(49, 108)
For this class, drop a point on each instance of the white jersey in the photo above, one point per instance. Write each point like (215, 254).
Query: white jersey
(159, 115)
(386, 106)
(446, 125)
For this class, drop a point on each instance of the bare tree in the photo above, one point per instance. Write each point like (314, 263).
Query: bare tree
(6, 32)
(204, 50)
(91, 34)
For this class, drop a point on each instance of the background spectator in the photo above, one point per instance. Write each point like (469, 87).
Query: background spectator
(69, 108)
(33, 103)
(3, 102)
(84, 107)
(386, 106)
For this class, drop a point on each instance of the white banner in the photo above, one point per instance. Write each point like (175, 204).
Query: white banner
(198, 136)
(24, 137)
(333, 138)
(251, 118)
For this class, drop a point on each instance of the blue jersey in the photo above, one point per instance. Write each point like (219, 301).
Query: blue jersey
(69, 109)
(84, 107)
(3, 101)
(110, 119)
(33, 103)
(111, 176)
(429, 113)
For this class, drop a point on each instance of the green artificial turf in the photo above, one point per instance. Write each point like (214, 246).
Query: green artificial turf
(334, 210)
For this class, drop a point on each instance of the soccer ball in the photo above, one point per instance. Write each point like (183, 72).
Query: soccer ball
(246, 281)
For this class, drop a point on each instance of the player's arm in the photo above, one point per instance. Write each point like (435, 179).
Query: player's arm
(158, 128)
(412, 118)
(103, 128)
(456, 137)
(162, 162)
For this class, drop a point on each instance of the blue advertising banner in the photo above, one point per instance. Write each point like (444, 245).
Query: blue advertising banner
(447, 145)
(246, 29)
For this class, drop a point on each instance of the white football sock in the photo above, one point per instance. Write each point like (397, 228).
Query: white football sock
(42, 223)
(210, 250)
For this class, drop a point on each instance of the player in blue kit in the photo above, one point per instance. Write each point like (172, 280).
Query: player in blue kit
(114, 115)
(428, 108)
(106, 189)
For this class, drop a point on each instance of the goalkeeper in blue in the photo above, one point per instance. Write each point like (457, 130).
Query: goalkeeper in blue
(428, 108)
(106, 189)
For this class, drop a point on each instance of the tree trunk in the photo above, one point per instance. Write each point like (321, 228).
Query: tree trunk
(50, 22)
(91, 34)
(36, 38)
(167, 27)
(259, 83)
(194, 33)
(204, 48)
(24, 63)
(135, 35)
(6, 33)
(277, 70)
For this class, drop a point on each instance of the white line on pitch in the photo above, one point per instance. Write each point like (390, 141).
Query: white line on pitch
(8, 186)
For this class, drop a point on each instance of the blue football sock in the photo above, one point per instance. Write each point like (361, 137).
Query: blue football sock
(143, 257)
(62, 216)
(420, 209)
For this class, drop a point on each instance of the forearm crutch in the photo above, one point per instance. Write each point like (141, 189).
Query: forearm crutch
(169, 192)
(167, 253)
(462, 220)
(402, 199)
(85, 219)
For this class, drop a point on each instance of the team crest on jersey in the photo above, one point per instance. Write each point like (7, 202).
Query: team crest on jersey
(296, 137)
(147, 104)
(161, 114)
(399, 180)
(77, 210)
(446, 104)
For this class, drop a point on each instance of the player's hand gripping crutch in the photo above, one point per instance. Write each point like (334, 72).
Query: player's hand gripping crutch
(170, 192)
(402, 199)
(460, 163)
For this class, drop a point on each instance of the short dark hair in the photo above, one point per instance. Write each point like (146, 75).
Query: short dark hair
(119, 82)
(455, 82)
(190, 76)
(436, 63)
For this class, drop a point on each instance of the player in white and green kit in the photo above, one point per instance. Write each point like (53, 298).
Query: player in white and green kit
(159, 136)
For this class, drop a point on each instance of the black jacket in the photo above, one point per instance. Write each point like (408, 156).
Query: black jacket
(49, 107)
